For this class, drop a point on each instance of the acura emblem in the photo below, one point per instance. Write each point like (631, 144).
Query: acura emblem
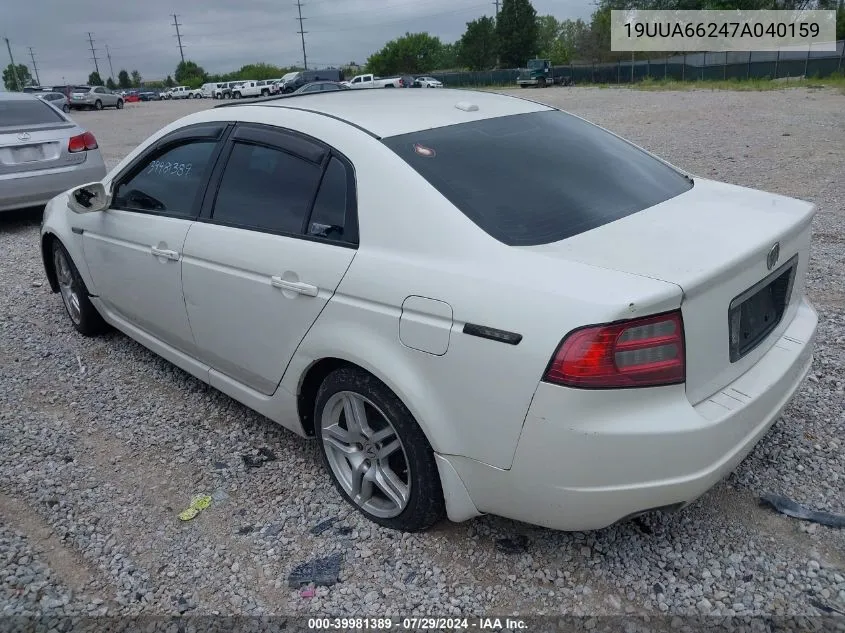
(23, 136)
(772, 257)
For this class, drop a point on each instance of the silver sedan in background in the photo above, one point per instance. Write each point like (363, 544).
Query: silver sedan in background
(42, 152)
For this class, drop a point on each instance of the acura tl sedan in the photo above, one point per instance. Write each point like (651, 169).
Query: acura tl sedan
(556, 326)
(42, 152)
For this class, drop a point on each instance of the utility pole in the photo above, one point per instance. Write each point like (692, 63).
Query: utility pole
(496, 2)
(14, 68)
(111, 68)
(93, 53)
(302, 33)
(179, 37)
(34, 66)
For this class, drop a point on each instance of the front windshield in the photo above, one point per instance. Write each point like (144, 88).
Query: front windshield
(536, 63)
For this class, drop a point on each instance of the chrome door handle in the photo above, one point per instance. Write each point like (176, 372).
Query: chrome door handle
(163, 252)
(295, 286)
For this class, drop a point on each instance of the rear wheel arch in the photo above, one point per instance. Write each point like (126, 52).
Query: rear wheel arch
(312, 378)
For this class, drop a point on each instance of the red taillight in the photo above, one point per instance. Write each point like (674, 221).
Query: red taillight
(81, 143)
(643, 352)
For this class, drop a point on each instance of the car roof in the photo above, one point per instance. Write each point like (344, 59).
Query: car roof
(385, 112)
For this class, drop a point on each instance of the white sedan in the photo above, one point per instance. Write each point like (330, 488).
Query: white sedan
(548, 323)
(428, 82)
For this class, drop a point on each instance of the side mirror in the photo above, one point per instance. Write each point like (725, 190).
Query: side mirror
(89, 198)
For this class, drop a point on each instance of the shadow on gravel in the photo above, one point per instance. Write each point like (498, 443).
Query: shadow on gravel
(19, 219)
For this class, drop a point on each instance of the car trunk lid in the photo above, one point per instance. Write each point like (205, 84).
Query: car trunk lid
(33, 148)
(716, 242)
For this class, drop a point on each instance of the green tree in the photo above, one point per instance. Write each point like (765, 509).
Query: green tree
(123, 79)
(136, 79)
(412, 53)
(110, 84)
(169, 82)
(840, 21)
(516, 28)
(447, 58)
(188, 73)
(16, 78)
(94, 79)
(573, 37)
(548, 32)
(477, 46)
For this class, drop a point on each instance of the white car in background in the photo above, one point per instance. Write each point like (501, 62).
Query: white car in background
(359, 82)
(249, 88)
(566, 338)
(208, 89)
(428, 82)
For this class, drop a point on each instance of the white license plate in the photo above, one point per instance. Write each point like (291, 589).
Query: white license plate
(27, 154)
(78, 96)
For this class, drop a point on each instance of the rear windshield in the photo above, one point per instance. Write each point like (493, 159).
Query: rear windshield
(25, 112)
(538, 178)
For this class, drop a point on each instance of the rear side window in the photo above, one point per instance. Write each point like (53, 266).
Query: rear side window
(329, 219)
(538, 178)
(27, 112)
(266, 189)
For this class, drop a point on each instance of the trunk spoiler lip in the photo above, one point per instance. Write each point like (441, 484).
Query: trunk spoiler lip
(39, 127)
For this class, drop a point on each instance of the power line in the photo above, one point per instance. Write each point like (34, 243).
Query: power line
(14, 68)
(179, 38)
(34, 66)
(94, 54)
(111, 68)
(302, 33)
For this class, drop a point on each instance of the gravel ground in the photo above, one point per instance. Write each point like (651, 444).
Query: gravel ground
(103, 443)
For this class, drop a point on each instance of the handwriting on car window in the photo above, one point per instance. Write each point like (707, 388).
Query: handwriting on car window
(168, 168)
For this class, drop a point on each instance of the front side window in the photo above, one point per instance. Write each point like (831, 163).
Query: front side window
(537, 178)
(169, 182)
(266, 189)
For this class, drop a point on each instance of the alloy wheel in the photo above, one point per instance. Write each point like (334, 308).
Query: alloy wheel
(70, 295)
(365, 454)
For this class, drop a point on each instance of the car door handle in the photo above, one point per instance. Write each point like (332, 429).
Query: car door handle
(296, 286)
(163, 252)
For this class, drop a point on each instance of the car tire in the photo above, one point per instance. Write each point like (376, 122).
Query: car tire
(119, 105)
(83, 315)
(236, 95)
(65, 108)
(265, 93)
(390, 451)
(98, 105)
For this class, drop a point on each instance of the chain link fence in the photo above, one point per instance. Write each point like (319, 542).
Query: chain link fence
(689, 67)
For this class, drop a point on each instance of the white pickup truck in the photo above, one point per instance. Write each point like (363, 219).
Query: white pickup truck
(249, 89)
(371, 81)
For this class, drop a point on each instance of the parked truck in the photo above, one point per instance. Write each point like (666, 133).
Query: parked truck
(371, 81)
(248, 88)
(541, 73)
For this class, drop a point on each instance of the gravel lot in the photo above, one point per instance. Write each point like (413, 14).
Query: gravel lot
(103, 443)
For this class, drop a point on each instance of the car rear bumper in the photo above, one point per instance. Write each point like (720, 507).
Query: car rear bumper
(38, 188)
(587, 459)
